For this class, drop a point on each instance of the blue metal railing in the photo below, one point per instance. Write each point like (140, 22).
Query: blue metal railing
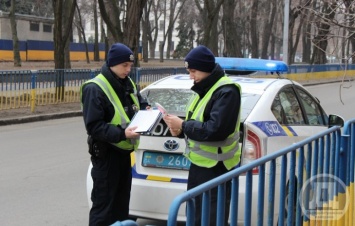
(317, 155)
(43, 87)
(62, 85)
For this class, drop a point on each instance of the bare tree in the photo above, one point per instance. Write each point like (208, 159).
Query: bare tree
(96, 40)
(153, 29)
(254, 35)
(349, 22)
(294, 35)
(81, 32)
(270, 9)
(132, 25)
(320, 41)
(210, 13)
(232, 38)
(62, 28)
(306, 32)
(15, 41)
(175, 9)
(130, 13)
(145, 30)
(42, 8)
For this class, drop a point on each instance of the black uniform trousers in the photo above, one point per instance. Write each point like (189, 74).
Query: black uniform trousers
(112, 178)
(199, 175)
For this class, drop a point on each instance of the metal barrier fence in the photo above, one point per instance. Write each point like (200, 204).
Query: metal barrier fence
(308, 183)
(28, 88)
(348, 148)
(146, 76)
(19, 89)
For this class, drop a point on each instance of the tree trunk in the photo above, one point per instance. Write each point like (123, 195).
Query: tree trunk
(132, 26)
(272, 47)
(306, 41)
(210, 19)
(254, 30)
(96, 44)
(15, 41)
(110, 12)
(145, 29)
(174, 14)
(61, 33)
(320, 41)
(162, 43)
(82, 32)
(67, 63)
(61, 30)
(232, 40)
(268, 24)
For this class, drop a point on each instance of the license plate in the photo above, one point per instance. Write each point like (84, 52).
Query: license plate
(165, 160)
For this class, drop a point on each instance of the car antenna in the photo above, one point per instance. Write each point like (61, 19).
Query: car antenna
(279, 75)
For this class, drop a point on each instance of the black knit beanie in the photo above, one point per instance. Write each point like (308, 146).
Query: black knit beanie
(119, 53)
(200, 58)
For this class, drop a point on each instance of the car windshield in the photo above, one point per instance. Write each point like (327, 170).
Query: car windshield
(175, 100)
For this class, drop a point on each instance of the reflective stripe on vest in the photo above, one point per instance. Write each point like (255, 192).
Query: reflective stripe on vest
(120, 117)
(217, 156)
(207, 152)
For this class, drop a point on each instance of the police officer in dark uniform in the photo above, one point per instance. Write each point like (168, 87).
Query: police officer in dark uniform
(211, 128)
(109, 101)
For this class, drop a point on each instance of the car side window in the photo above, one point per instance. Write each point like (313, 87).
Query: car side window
(278, 111)
(312, 109)
(286, 107)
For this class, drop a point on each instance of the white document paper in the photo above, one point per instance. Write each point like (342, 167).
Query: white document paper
(161, 109)
(146, 120)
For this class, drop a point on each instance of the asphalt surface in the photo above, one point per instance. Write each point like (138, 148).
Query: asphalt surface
(43, 117)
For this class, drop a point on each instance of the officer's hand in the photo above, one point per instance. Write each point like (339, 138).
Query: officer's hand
(129, 132)
(175, 132)
(173, 121)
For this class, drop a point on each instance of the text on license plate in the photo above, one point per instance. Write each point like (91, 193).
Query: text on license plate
(165, 160)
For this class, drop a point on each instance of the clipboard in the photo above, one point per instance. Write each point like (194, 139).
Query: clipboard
(146, 120)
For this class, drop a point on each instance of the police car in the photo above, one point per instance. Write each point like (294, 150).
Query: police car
(275, 113)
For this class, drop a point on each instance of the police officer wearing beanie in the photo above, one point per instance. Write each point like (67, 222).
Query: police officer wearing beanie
(109, 101)
(211, 127)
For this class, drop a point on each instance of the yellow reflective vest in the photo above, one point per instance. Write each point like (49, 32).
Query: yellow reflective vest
(120, 117)
(205, 153)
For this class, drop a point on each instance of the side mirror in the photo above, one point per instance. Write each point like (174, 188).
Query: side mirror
(335, 120)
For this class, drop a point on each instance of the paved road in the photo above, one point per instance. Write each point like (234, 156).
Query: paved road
(43, 166)
(43, 174)
(42, 177)
(336, 98)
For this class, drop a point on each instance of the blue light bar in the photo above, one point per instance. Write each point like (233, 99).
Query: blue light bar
(246, 64)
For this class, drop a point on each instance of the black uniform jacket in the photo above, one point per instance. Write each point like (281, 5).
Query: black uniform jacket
(221, 112)
(98, 110)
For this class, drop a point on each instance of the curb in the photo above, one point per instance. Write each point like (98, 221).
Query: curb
(36, 118)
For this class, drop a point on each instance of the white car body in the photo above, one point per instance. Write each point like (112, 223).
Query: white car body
(154, 188)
